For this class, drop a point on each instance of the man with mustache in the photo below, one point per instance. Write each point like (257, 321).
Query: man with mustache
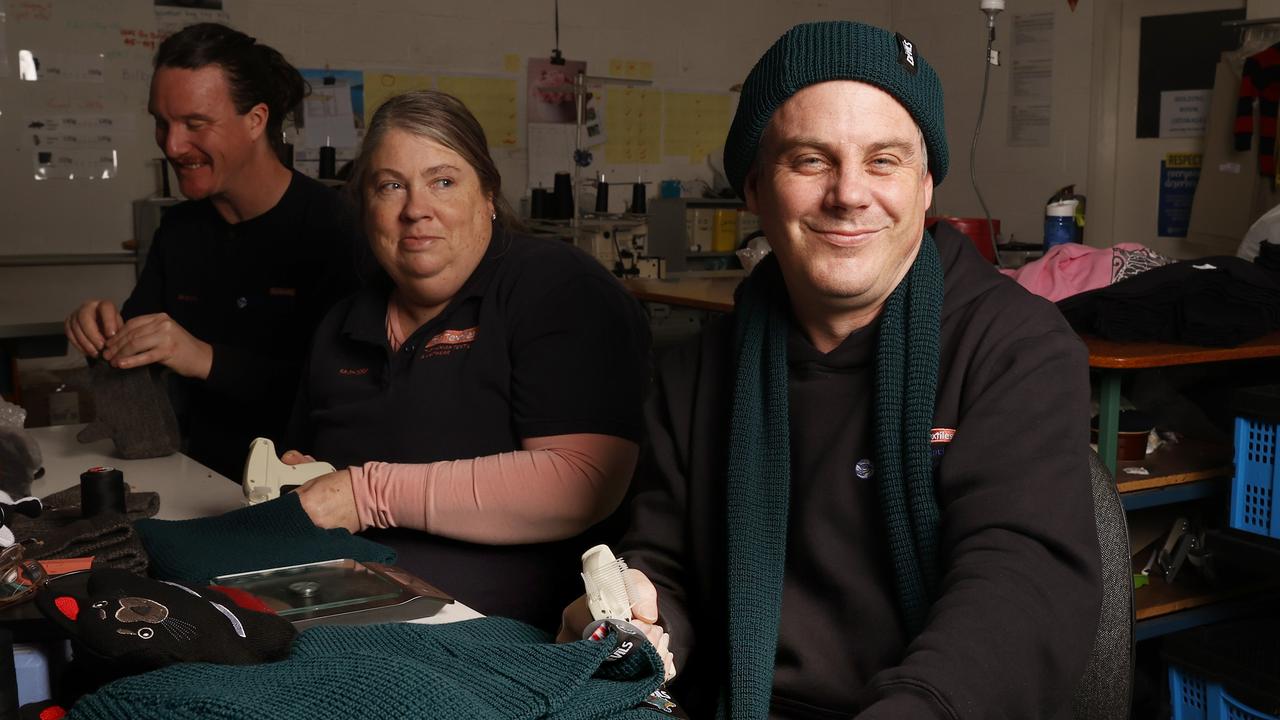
(239, 275)
(867, 493)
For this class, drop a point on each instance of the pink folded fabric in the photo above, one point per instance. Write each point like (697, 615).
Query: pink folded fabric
(1069, 269)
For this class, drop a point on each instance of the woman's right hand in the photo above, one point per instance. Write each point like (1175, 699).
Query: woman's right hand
(644, 615)
(329, 500)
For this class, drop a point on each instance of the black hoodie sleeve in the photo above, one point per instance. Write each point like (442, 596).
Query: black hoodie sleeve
(658, 542)
(1011, 632)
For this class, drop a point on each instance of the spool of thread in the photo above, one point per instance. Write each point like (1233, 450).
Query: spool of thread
(286, 155)
(602, 196)
(562, 198)
(540, 203)
(638, 198)
(328, 163)
(101, 491)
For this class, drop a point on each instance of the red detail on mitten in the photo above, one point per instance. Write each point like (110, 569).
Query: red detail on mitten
(68, 606)
(246, 600)
(53, 712)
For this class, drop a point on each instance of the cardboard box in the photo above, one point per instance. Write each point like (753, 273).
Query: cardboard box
(56, 397)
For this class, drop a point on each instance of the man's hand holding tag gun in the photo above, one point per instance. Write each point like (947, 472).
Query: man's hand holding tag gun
(616, 593)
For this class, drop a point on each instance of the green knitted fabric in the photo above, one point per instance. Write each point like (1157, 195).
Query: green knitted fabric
(835, 50)
(759, 468)
(271, 534)
(489, 669)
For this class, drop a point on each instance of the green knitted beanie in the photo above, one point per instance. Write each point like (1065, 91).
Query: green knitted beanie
(812, 53)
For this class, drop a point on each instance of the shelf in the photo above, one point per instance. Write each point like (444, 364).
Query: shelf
(1158, 600)
(1188, 461)
(709, 254)
(1117, 355)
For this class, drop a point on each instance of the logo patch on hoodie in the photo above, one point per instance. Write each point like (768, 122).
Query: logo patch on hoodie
(938, 440)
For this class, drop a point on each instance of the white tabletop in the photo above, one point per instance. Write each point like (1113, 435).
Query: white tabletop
(187, 489)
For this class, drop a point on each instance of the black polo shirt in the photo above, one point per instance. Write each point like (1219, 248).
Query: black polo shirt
(254, 290)
(539, 341)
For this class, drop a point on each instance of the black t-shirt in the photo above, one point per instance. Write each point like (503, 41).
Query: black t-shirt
(253, 290)
(539, 341)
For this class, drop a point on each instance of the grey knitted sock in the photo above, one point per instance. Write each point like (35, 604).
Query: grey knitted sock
(133, 410)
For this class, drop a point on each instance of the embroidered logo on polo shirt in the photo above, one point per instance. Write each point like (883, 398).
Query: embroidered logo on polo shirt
(353, 371)
(187, 298)
(449, 341)
(282, 292)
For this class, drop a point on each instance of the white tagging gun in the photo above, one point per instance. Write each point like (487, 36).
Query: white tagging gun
(265, 474)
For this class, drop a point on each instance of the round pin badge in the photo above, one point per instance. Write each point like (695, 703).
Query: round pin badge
(864, 469)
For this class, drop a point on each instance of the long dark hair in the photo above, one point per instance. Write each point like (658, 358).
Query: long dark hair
(440, 117)
(257, 73)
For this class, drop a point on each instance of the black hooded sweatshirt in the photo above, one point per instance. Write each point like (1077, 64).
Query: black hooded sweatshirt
(1011, 630)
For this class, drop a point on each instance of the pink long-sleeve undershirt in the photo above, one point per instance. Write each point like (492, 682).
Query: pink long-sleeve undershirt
(554, 488)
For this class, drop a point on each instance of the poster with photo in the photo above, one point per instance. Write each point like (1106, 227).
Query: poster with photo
(550, 90)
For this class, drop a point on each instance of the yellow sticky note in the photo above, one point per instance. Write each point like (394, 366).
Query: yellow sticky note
(633, 125)
(493, 101)
(695, 123)
(382, 86)
(631, 69)
(511, 63)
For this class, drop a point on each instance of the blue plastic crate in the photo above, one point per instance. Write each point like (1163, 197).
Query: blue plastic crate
(1194, 698)
(1257, 480)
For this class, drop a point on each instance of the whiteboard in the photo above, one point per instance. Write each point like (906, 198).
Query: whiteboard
(88, 102)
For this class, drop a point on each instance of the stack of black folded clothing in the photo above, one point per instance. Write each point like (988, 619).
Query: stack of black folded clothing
(1215, 301)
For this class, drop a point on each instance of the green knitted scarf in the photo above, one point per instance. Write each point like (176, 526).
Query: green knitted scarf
(759, 473)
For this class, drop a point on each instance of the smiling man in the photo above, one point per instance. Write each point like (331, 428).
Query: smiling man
(239, 275)
(867, 489)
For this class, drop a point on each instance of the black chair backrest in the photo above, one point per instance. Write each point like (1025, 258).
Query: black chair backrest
(1104, 690)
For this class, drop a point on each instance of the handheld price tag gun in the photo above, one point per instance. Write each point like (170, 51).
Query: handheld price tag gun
(265, 476)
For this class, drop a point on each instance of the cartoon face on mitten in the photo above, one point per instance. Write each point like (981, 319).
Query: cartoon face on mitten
(129, 611)
(146, 624)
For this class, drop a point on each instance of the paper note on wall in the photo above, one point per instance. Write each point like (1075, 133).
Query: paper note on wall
(77, 147)
(696, 123)
(382, 86)
(492, 101)
(333, 113)
(173, 15)
(631, 69)
(633, 122)
(65, 66)
(551, 148)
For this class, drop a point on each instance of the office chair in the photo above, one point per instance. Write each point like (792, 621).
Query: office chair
(1105, 689)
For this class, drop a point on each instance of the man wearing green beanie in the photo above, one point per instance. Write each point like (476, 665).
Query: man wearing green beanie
(867, 492)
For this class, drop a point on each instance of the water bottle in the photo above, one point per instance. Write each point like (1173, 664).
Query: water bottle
(1060, 223)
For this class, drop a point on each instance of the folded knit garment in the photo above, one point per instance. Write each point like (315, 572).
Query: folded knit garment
(64, 506)
(492, 668)
(61, 532)
(268, 535)
(108, 538)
